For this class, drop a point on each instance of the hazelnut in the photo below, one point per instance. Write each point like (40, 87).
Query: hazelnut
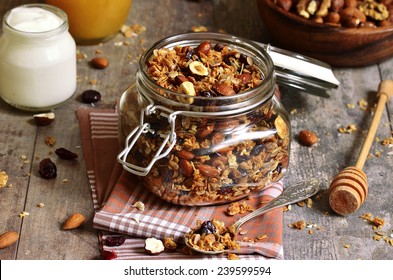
(44, 119)
(307, 137)
(154, 246)
(197, 68)
(188, 89)
(170, 244)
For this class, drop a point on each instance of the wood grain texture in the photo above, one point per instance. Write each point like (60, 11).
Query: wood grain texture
(41, 236)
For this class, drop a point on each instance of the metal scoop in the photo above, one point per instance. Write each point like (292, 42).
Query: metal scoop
(298, 192)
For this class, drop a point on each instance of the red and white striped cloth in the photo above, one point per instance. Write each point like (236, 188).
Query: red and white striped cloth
(114, 191)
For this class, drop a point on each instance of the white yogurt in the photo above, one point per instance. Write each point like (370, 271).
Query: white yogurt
(33, 20)
(37, 58)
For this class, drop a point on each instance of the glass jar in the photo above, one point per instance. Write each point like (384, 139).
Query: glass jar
(204, 150)
(94, 21)
(37, 58)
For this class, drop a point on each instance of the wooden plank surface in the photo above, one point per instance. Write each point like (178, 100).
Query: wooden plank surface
(41, 236)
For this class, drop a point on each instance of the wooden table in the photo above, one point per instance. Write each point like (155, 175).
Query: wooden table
(334, 237)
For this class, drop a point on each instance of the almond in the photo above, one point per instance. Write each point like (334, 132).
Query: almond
(74, 221)
(244, 78)
(185, 154)
(8, 238)
(203, 47)
(205, 130)
(207, 170)
(217, 138)
(223, 89)
(179, 79)
(186, 167)
(99, 62)
(307, 137)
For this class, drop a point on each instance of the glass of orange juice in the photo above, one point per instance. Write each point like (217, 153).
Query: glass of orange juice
(93, 21)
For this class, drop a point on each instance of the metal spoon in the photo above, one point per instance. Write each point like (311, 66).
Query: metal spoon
(298, 192)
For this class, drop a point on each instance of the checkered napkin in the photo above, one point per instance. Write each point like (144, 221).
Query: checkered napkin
(115, 191)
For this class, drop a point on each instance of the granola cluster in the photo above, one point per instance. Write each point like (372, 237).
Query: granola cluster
(212, 236)
(215, 159)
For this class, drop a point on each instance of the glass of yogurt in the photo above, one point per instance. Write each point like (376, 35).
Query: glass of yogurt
(37, 58)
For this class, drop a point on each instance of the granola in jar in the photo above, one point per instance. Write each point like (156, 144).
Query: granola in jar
(202, 125)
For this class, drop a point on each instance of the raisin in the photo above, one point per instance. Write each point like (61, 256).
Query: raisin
(206, 93)
(48, 169)
(257, 150)
(246, 60)
(113, 241)
(90, 96)
(208, 227)
(65, 154)
(279, 168)
(219, 47)
(109, 255)
(189, 53)
(240, 159)
(225, 190)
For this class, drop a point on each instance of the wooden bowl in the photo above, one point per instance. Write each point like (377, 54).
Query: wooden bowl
(337, 46)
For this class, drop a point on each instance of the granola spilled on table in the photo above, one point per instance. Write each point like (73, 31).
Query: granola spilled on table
(215, 159)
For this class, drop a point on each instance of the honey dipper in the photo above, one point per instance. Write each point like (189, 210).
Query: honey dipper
(349, 189)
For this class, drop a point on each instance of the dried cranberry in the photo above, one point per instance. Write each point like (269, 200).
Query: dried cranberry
(90, 96)
(113, 241)
(48, 169)
(109, 255)
(65, 154)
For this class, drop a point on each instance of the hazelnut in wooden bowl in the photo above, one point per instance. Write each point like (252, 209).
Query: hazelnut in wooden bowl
(342, 33)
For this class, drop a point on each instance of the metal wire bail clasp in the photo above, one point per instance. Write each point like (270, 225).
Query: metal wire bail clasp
(143, 128)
